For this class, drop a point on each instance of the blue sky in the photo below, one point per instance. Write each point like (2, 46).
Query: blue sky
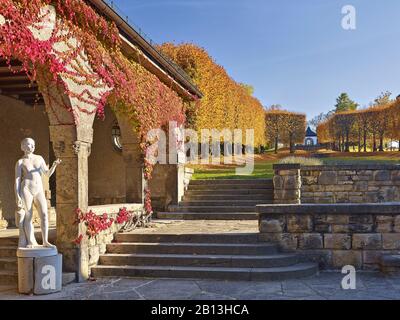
(294, 52)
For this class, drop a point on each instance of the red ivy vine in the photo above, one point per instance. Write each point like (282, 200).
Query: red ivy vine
(98, 223)
(139, 95)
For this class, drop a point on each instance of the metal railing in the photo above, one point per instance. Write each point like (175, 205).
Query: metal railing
(125, 17)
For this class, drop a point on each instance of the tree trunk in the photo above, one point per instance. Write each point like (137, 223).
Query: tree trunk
(365, 140)
(343, 144)
(359, 140)
(381, 142)
(291, 143)
(347, 147)
(276, 145)
(374, 145)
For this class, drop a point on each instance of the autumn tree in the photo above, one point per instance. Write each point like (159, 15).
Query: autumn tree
(294, 128)
(273, 126)
(226, 104)
(382, 99)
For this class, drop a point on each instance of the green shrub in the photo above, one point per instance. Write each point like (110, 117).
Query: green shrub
(302, 161)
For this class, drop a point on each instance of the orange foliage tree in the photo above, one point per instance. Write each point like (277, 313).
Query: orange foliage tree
(370, 126)
(226, 104)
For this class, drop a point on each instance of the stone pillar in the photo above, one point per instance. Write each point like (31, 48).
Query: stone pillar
(3, 222)
(134, 172)
(133, 158)
(72, 145)
(287, 184)
(167, 185)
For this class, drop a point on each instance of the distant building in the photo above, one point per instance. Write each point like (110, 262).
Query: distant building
(311, 138)
(393, 145)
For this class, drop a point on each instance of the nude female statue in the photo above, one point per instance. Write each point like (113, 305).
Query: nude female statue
(29, 191)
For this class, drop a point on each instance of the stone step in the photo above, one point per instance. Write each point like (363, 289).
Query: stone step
(192, 248)
(8, 277)
(245, 274)
(182, 238)
(68, 278)
(250, 208)
(234, 261)
(229, 187)
(230, 192)
(223, 203)
(208, 215)
(258, 198)
(8, 251)
(267, 182)
(9, 242)
(10, 264)
(8, 288)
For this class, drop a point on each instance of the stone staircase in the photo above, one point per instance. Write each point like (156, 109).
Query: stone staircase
(199, 256)
(202, 253)
(8, 262)
(230, 199)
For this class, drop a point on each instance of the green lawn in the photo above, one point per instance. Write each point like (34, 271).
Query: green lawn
(263, 168)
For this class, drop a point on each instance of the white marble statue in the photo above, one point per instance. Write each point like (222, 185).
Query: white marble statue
(28, 191)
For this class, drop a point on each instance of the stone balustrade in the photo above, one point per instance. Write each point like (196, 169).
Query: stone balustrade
(334, 235)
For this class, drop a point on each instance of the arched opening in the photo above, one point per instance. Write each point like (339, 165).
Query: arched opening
(309, 142)
(106, 163)
(22, 114)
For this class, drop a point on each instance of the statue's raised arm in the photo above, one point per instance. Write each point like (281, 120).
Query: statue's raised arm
(49, 172)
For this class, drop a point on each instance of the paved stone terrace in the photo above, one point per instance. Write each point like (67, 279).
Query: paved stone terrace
(200, 226)
(326, 286)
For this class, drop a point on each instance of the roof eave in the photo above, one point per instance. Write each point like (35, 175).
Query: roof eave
(192, 91)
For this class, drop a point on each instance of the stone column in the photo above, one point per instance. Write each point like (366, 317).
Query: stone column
(133, 158)
(134, 172)
(287, 184)
(72, 145)
(3, 222)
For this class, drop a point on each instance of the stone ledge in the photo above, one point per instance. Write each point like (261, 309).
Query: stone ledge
(351, 167)
(189, 170)
(114, 208)
(387, 208)
(286, 166)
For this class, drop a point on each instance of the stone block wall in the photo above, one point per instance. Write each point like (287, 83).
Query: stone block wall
(373, 183)
(334, 235)
(98, 244)
(287, 183)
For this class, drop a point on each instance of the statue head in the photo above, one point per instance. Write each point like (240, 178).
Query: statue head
(28, 145)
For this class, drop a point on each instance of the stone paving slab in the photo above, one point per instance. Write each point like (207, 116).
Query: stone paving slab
(167, 226)
(326, 286)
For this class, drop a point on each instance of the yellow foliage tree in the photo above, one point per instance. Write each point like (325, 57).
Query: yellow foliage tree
(226, 104)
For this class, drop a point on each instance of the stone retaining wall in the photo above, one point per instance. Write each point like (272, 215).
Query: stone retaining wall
(373, 183)
(98, 244)
(334, 235)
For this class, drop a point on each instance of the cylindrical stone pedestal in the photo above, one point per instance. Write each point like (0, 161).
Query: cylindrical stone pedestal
(39, 270)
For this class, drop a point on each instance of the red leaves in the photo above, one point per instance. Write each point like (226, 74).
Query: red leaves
(123, 216)
(148, 102)
(94, 223)
(78, 240)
